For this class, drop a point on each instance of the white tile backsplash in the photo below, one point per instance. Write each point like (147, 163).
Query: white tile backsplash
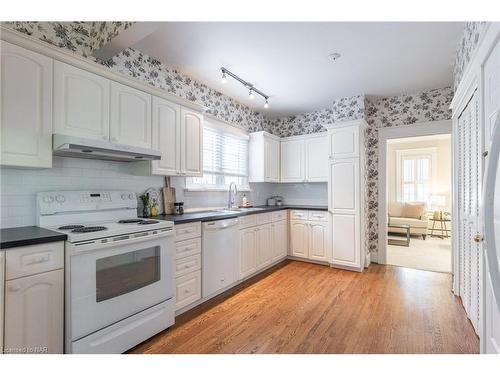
(18, 187)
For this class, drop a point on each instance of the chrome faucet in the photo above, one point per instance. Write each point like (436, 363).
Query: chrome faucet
(231, 197)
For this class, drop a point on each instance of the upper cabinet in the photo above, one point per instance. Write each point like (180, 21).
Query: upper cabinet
(264, 157)
(130, 120)
(304, 158)
(166, 137)
(81, 103)
(344, 142)
(26, 108)
(191, 145)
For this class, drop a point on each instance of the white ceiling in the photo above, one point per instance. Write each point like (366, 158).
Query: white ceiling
(288, 60)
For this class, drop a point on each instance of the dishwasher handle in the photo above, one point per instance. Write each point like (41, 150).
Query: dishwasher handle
(220, 224)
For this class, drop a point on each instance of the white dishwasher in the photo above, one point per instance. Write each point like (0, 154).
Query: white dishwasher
(220, 255)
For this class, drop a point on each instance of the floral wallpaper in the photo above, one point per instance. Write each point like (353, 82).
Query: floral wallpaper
(471, 35)
(79, 37)
(343, 109)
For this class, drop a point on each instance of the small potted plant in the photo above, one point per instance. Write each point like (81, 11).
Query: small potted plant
(145, 204)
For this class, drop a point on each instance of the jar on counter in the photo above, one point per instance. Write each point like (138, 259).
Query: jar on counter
(179, 208)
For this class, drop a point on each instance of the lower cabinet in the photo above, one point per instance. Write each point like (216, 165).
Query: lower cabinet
(2, 262)
(279, 232)
(309, 237)
(248, 252)
(264, 246)
(187, 289)
(34, 313)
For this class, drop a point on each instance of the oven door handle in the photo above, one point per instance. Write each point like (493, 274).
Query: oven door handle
(126, 239)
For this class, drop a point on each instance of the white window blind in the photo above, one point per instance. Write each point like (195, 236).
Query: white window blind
(225, 159)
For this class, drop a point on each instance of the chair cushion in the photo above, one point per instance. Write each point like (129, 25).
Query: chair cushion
(412, 222)
(414, 210)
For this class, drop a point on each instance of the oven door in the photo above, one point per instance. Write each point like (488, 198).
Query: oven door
(112, 281)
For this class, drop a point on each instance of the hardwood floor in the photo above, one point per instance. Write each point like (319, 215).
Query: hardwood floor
(299, 307)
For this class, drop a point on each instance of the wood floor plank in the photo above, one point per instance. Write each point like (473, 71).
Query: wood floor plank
(299, 307)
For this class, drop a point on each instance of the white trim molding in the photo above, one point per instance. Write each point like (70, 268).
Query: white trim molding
(413, 130)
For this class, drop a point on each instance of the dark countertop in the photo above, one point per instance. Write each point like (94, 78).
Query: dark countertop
(190, 217)
(22, 236)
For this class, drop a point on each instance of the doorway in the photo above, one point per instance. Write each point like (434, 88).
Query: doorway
(419, 184)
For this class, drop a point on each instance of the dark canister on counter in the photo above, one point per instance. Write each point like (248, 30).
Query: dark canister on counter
(179, 208)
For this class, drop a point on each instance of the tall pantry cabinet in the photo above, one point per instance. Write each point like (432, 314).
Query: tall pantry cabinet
(346, 193)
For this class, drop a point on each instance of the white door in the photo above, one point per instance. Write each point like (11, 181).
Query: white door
(34, 312)
(166, 136)
(280, 239)
(271, 160)
(81, 102)
(191, 143)
(130, 122)
(316, 158)
(264, 250)
(299, 238)
(248, 252)
(345, 240)
(344, 142)
(26, 108)
(318, 241)
(292, 161)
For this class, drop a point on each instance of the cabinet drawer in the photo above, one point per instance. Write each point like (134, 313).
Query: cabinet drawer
(279, 215)
(299, 214)
(263, 218)
(187, 248)
(187, 289)
(187, 231)
(188, 264)
(248, 221)
(30, 260)
(318, 215)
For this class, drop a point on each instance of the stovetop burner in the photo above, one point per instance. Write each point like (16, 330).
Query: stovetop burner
(146, 222)
(130, 221)
(67, 227)
(88, 229)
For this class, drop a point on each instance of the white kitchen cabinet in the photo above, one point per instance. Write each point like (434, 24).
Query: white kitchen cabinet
(346, 194)
(248, 249)
(318, 241)
(187, 289)
(191, 143)
(279, 232)
(81, 103)
(264, 157)
(264, 246)
(293, 161)
(166, 136)
(2, 300)
(299, 238)
(34, 313)
(26, 108)
(130, 116)
(316, 158)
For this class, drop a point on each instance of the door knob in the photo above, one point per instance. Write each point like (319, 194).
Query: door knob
(478, 238)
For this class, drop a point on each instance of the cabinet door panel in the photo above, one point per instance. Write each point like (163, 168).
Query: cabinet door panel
(81, 102)
(130, 116)
(292, 161)
(264, 251)
(26, 108)
(346, 241)
(191, 143)
(248, 255)
(271, 160)
(2, 265)
(316, 156)
(299, 239)
(34, 312)
(344, 186)
(280, 239)
(344, 142)
(319, 244)
(166, 136)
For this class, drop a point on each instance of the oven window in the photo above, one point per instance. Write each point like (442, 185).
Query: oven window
(124, 273)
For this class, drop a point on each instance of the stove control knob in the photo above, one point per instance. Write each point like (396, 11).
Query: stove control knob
(60, 198)
(48, 199)
(131, 196)
(124, 196)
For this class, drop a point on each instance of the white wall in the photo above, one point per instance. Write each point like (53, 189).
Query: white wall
(442, 183)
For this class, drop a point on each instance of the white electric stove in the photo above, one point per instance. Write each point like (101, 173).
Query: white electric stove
(119, 269)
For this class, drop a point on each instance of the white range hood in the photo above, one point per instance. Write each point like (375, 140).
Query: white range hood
(69, 146)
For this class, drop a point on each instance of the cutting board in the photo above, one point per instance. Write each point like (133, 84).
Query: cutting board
(168, 197)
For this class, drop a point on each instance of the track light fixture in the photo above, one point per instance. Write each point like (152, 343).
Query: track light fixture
(248, 85)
